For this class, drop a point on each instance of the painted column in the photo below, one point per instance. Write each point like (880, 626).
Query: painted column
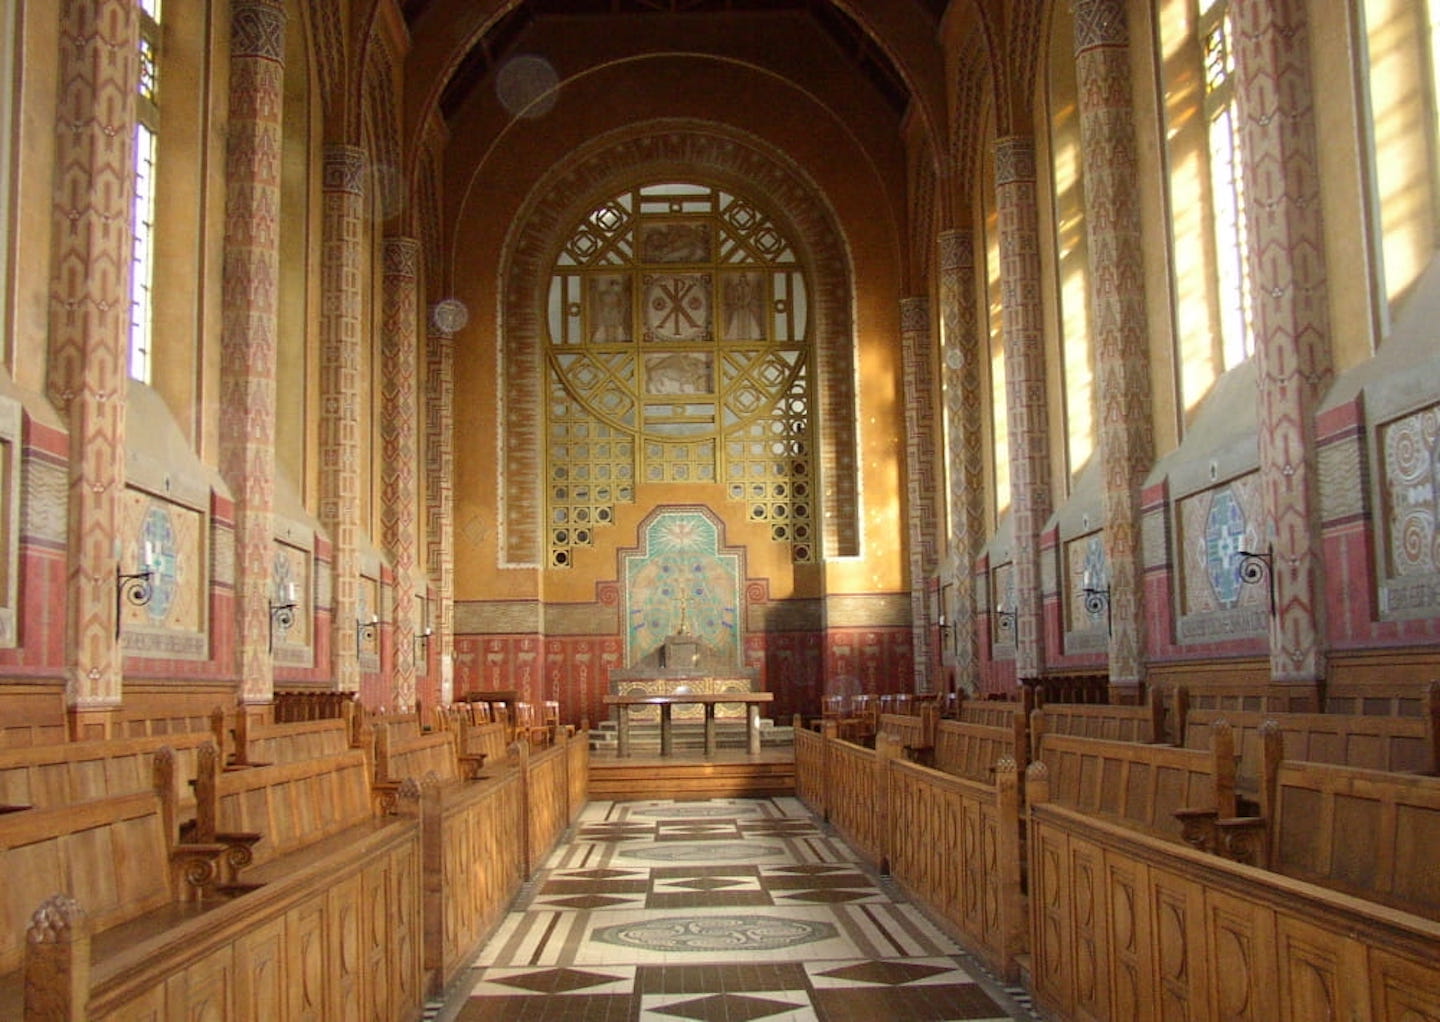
(250, 323)
(1117, 315)
(94, 189)
(961, 348)
(921, 487)
(1274, 94)
(343, 209)
(445, 319)
(1030, 497)
(399, 430)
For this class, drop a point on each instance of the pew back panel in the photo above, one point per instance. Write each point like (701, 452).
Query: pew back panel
(111, 852)
(1142, 784)
(293, 805)
(1366, 832)
(58, 775)
(1400, 744)
(972, 750)
(297, 740)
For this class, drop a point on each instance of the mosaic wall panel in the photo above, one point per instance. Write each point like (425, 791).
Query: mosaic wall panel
(292, 583)
(170, 539)
(1410, 460)
(681, 581)
(367, 623)
(1003, 597)
(1086, 615)
(1214, 527)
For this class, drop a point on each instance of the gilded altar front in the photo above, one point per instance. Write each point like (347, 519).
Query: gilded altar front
(651, 681)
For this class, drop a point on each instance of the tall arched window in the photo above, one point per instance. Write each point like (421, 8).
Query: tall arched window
(147, 128)
(1400, 38)
(678, 353)
(1227, 183)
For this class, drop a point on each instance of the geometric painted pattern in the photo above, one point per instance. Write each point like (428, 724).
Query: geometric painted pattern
(343, 201)
(677, 353)
(1411, 447)
(89, 318)
(400, 431)
(1286, 250)
(922, 488)
(250, 309)
(811, 934)
(1118, 317)
(1024, 386)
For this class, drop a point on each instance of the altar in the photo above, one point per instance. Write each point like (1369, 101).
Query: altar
(683, 681)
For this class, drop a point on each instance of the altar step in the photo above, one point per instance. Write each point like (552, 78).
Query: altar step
(688, 775)
(689, 736)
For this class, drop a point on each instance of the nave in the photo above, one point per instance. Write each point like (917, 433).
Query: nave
(722, 909)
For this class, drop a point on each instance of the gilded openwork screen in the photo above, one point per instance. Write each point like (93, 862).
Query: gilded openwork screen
(678, 354)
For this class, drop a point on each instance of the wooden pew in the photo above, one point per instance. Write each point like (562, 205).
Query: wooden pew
(954, 843)
(50, 776)
(1125, 924)
(295, 705)
(1115, 723)
(118, 853)
(476, 734)
(1399, 744)
(971, 750)
(1175, 793)
(291, 742)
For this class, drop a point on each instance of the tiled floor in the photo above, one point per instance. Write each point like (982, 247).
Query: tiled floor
(723, 911)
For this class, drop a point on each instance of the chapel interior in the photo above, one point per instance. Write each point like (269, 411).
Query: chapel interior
(1026, 411)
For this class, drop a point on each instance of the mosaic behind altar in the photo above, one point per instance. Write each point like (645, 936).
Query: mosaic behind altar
(680, 579)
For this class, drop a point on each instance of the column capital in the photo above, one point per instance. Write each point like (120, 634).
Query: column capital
(1100, 23)
(257, 29)
(914, 314)
(400, 256)
(1014, 160)
(957, 250)
(344, 169)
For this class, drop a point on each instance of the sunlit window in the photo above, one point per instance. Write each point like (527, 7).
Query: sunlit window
(1227, 184)
(147, 127)
(1400, 43)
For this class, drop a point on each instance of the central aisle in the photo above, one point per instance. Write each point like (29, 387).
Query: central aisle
(728, 909)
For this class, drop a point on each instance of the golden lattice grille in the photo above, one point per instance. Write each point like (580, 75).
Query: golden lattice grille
(678, 353)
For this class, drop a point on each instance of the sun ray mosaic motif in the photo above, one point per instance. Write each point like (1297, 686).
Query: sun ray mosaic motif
(679, 352)
(680, 581)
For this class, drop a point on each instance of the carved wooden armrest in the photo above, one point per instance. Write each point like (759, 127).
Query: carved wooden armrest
(471, 763)
(198, 867)
(238, 853)
(1242, 839)
(387, 797)
(1197, 827)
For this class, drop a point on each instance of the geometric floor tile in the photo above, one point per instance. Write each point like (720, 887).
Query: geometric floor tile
(731, 909)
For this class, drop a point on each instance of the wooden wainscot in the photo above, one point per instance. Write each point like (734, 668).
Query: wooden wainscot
(1125, 924)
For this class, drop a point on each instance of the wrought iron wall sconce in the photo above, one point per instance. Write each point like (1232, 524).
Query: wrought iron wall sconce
(364, 632)
(422, 642)
(135, 588)
(1005, 619)
(1255, 567)
(1096, 599)
(132, 588)
(282, 615)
